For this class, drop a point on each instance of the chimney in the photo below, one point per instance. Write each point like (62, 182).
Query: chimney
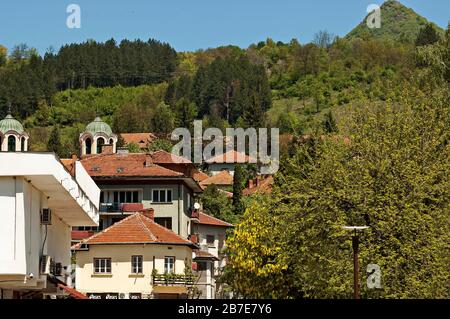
(107, 149)
(149, 213)
(258, 180)
(148, 160)
(250, 183)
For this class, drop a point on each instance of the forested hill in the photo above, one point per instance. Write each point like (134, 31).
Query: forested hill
(398, 23)
(141, 86)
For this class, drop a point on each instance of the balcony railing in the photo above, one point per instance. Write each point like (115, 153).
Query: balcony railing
(173, 280)
(120, 207)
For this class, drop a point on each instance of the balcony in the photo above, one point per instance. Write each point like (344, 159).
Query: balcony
(121, 207)
(173, 280)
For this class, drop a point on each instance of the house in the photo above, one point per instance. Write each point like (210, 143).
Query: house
(40, 201)
(261, 185)
(135, 258)
(227, 162)
(140, 139)
(131, 182)
(223, 181)
(210, 234)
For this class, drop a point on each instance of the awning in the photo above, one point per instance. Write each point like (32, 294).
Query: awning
(169, 290)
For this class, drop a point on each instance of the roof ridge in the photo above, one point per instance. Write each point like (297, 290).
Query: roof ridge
(164, 228)
(139, 216)
(86, 241)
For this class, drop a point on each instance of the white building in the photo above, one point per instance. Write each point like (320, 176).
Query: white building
(40, 201)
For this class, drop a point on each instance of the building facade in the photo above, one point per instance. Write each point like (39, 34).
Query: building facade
(135, 258)
(40, 203)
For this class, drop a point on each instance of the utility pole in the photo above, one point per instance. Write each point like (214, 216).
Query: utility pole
(355, 246)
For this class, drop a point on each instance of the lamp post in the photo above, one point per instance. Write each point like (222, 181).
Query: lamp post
(355, 246)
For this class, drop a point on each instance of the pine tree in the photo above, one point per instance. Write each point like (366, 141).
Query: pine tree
(238, 187)
(54, 143)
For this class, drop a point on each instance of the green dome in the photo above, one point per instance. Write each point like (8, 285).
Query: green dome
(98, 126)
(10, 124)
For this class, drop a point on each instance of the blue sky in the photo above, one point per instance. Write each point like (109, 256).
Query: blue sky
(190, 24)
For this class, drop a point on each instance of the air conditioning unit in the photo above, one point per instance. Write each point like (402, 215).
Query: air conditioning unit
(46, 216)
(46, 265)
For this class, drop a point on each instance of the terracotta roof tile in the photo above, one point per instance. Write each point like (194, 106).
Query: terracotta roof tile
(223, 178)
(200, 254)
(141, 139)
(136, 228)
(163, 157)
(200, 176)
(132, 164)
(205, 219)
(231, 157)
(264, 187)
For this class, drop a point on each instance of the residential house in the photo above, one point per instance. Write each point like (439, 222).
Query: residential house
(227, 162)
(135, 258)
(210, 234)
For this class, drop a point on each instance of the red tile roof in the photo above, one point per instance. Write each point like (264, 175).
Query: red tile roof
(231, 157)
(72, 292)
(200, 176)
(163, 157)
(205, 219)
(223, 178)
(125, 165)
(136, 229)
(200, 254)
(264, 187)
(141, 139)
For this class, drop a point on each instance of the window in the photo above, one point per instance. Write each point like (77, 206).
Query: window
(162, 195)
(164, 221)
(11, 144)
(102, 265)
(100, 143)
(22, 147)
(136, 264)
(169, 265)
(88, 143)
(210, 239)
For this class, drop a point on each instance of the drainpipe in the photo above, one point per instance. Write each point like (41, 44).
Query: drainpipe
(179, 209)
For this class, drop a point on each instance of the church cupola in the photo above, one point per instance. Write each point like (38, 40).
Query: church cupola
(13, 138)
(97, 135)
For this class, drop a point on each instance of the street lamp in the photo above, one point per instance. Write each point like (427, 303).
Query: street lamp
(355, 245)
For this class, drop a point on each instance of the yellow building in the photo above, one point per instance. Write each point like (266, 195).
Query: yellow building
(134, 258)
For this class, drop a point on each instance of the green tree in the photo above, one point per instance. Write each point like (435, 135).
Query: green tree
(217, 204)
(238, 186)
(329, 123)
(427, 35)
(392, 177)
(54, 141)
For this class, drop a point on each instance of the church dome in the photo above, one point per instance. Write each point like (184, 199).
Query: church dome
(98, 126)
(10, 124)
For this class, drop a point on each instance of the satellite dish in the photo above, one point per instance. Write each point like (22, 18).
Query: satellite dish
(197, 206)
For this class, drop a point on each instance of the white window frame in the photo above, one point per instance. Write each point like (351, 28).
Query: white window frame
(103, 265)
(137, 264)
(166, 191)
(166, 264)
